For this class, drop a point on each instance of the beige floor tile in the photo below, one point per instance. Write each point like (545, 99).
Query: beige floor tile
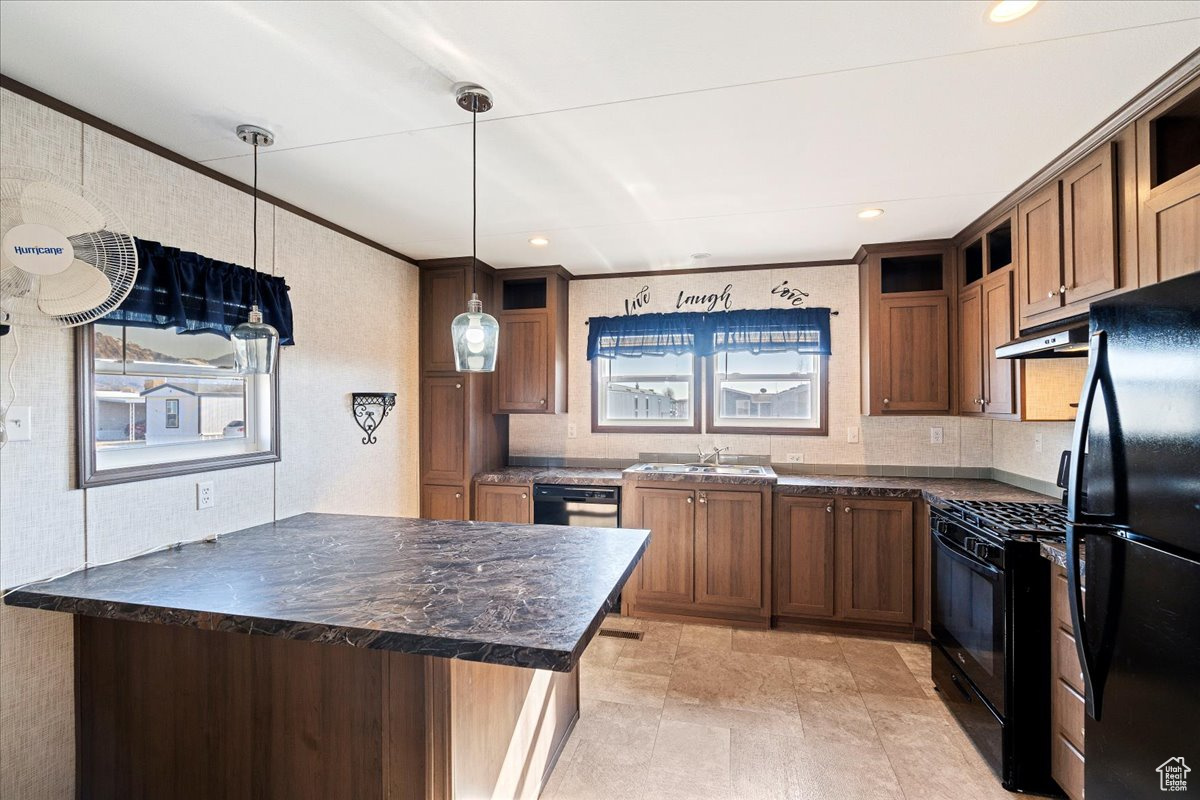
(597, 781)
(617, 622)
(905, 704)
(707, 637)
(761, 765)
(836, 717)
(606, 721)
(661, 785)
(779, 723)
(695, 752)
(619, 686)
(786, 643)
(878, 668)
(822, 675)
(733, 680)
(647, 666)
(603, 651)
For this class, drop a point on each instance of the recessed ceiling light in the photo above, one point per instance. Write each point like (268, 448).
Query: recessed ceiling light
(539, 241)
(870, 213)
(1009, 10)
(701, 256)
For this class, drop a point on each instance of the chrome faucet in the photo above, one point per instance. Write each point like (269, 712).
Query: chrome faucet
(715, 455)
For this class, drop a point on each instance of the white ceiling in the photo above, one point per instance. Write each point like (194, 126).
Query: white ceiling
(631, 134)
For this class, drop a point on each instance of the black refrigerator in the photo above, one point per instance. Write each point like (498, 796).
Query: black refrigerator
(1133, 506)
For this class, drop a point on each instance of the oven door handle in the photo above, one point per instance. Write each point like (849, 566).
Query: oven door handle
(957, 551)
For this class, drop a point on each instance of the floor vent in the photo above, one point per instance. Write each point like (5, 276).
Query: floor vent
(636, 635)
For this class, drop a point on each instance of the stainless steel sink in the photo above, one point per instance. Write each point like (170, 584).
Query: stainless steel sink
(701, 469)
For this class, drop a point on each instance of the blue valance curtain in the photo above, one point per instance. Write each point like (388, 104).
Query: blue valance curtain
(196, 294)
(770, 330)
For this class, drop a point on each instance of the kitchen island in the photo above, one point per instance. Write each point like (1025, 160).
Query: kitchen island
(329, 656)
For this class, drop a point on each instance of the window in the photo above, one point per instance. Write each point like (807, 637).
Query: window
(645, 393)
(767, 393)
(156, 402)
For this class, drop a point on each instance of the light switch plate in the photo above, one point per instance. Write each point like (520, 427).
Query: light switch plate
(935, 435)
(204, 495)
(19, 423)
(852, 434)
(795, 458)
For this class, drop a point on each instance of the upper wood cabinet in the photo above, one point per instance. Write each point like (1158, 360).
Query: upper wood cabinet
(531, 364)
(847, 559)
(804, 550)
(1168, 187)
(971, 356)
(444, 295)
(875, 560)
(906, 314)
(503, 503)
(999, 375)
(1076, 236)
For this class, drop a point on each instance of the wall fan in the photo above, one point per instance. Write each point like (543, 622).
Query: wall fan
(67, 259)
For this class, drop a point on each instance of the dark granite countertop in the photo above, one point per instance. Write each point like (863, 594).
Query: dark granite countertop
(931, 489)
(1056, 553)
(575, 476)
(521, 595)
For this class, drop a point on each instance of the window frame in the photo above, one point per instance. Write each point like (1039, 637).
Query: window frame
(599, 427)
(821, 429)
(171, 413)
(90, 476)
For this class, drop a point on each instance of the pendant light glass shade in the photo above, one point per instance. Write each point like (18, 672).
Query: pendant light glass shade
(475, 336)
(255, 345)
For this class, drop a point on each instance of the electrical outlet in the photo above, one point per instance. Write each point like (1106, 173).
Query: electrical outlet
(204, 495)
(572, 431)
(18, 423)
(795, 458)
(935, 435)
(1037, 443)
(852, 434)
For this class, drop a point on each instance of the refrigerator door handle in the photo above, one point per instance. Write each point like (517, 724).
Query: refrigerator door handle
(1096, 358)
(1082, 646)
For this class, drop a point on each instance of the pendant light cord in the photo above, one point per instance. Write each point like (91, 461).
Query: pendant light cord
(474, 194)
(254, 257)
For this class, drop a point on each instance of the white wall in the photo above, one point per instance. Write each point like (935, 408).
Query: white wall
(967, 442)
(356, 330)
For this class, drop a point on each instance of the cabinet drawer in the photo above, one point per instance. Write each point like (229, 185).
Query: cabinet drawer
(1066, 660)
(1066, 766)
(1067, 710)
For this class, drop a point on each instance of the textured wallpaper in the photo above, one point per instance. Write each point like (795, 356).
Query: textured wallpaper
(356, 329)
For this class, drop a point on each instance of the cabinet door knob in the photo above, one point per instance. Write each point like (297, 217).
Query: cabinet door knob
(689, 501)
(829, 509)
(524, 496)
(458, 386)
(703, 498)
(846, 509)
(458, 495)
(542, 402)
(1062, 289)
(886, 400)
(1050, 294)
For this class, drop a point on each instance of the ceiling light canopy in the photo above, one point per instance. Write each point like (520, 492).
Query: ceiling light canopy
(870, 213)
(539, 241)
(1009, 10)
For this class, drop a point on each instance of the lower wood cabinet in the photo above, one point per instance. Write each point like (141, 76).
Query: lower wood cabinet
(844, 559)
(443, 502)
(709, 552)
(503, 503)
(1066, 693)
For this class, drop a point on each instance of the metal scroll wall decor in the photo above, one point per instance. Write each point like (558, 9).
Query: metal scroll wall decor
(370, 410)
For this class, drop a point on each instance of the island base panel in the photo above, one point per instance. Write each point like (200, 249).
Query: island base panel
(169, 711)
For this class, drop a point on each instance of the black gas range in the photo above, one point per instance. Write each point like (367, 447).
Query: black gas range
(991, 625)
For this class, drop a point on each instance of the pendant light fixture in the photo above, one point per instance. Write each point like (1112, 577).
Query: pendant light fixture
(474, 333)
(255, 343)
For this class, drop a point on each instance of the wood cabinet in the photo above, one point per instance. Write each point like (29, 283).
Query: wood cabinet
(1076, 236)
(531, 364)
(987, 385)
(1067, 706)
(971, 355)
(843, 559)
(443, 501)
(875, 560)
(906, 315)
(460, 435)
(729, 554)
(804, 556)
(504, 503)
(709, 551)
(1168, 187)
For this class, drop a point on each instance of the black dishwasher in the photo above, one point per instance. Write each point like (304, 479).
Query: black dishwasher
(584, 506)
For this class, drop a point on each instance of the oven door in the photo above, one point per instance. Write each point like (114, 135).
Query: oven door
(968, 613)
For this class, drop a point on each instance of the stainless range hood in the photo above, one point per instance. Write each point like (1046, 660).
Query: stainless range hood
(1068, 339)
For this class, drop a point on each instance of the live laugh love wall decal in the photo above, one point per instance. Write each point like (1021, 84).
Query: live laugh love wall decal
(711, 301)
